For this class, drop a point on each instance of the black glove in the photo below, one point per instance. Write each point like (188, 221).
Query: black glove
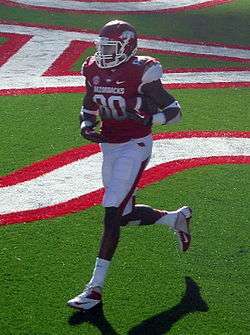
(141, 108)
(90, 134)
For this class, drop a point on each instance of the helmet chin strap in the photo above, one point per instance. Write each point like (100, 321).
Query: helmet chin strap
(133, 53)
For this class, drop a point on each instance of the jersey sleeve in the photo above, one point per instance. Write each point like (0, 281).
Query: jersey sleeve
(152, 72)
(89, 105)
(84, 68)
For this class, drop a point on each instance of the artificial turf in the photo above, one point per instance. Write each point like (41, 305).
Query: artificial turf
(152, 288)
(44, 125)
(46, 262)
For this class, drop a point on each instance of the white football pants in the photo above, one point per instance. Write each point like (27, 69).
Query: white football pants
(123, 164)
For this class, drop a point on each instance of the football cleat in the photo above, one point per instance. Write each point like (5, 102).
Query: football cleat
(87, 300)
(182, 227)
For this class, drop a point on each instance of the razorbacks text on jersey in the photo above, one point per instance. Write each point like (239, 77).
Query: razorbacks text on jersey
(113, 91)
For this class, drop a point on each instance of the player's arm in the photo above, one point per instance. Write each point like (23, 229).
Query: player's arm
(89, 111)
(169, 108)
(88, 114)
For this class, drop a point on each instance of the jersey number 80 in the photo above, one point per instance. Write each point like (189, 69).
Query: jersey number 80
(113, 107)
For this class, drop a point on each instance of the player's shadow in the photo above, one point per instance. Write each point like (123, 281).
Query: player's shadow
(96, 318)
(161, 323)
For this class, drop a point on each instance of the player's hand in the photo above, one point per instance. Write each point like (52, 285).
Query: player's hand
(92, 135)
(145, 120)
(140, 108)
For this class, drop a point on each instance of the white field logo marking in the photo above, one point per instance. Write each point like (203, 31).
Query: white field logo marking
(116, 6)
(71, 181)
(30, 68)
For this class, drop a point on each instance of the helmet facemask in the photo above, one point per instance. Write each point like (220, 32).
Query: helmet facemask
(111, 53)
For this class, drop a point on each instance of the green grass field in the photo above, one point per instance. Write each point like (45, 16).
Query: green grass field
(152, 288)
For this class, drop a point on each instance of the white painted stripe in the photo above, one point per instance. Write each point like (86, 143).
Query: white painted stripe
(62, 184)
(25, 68)
(6, 82)
(206, 77)
(58, 36)
(168, 150)
(84, 176)
(168, 78)
(33, 59)
(112, 6)
(53, 35)
(197, 49)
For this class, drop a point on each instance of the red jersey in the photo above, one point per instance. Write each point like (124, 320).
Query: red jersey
(112, 91)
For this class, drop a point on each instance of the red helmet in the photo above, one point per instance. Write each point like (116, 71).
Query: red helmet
(116, 44)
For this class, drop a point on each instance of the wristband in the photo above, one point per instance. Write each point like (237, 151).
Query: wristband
(159, 118)
(86, 124)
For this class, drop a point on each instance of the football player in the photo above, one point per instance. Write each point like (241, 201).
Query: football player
(126, 92)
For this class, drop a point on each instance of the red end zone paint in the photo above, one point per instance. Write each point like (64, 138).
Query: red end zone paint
(42, 90)
(94, 198)
(48, 165)
(62, 66)
(11, 46)
(150, 176)
(207, 4)
(39, 168)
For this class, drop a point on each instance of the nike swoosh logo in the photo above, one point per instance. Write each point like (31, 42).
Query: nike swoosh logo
(118, 82)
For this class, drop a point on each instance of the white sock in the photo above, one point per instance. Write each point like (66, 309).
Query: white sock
(99, 273)
(168, 219)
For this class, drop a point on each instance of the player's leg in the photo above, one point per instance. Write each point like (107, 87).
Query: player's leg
(126, 172)
(92, 294)
(178, 220)
(121, 173)
(139, 214)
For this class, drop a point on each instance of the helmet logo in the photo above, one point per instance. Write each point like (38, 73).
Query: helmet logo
(127, 34)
